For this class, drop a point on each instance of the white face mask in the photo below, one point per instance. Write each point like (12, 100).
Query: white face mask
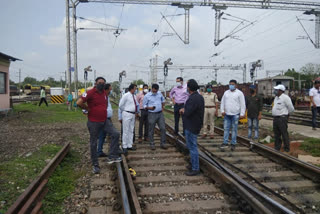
(145, 90)
(178, 84)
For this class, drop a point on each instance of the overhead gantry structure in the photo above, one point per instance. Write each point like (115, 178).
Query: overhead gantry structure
(311, 7)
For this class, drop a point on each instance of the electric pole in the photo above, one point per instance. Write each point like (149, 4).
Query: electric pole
(68, 51)
(19, 81)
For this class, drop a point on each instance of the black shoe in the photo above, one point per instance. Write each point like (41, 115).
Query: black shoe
(164, 147)
(102, 155)
(114, 160)
(189, 167)
(96, 169)
(224, 146)
(233, 147)
(133, 148)
(192, 173)
(125, 152)
(153, 147)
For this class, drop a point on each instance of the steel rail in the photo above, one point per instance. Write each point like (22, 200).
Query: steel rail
(310, 171)
(33, 193)
(123, 189)
(229, 184)
(273, 205)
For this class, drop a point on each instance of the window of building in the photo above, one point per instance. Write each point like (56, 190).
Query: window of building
(3, 81)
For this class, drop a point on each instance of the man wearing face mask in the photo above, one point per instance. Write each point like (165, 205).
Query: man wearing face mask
(112, 131)
(95, 102)
(233, 108)
(210, 111)
(254, 112)
(153, 102)
(193, 113)
(129, 108)
(179, 96)
(315, 102)
(144, 114)
(282, 107)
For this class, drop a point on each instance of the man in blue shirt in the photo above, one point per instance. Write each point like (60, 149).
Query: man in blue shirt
(153, 102)
(112, 131)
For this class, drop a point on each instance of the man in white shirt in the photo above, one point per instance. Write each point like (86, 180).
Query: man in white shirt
(282, 107)
(129, 109)
(315, 102)
(233, 108)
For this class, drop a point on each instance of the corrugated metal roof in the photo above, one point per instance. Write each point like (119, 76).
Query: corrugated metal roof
(11, 58)
(278, 77)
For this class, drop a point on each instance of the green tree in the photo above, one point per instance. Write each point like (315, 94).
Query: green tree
(213, 82)
(138, 82)
(115, 87)
(30, 80)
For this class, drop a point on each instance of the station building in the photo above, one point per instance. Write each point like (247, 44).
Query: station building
(5, 61)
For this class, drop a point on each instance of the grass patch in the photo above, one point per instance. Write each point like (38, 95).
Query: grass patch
(62, 183)
(312, 146)
(17, 174)
(52, 114)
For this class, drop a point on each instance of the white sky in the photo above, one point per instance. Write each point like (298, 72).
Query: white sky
(34, 31)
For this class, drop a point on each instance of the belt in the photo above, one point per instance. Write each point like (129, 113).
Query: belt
(179, 104)
(158, 112)
(210, 106)
(142, 109)
(280, 116)
(132, 112)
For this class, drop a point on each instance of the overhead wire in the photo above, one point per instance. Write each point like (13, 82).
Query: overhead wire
(259, 19)
(118, 34)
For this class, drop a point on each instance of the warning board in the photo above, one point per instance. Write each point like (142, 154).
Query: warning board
(57, 99)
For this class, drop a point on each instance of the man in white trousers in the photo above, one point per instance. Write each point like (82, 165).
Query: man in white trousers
(129, 108)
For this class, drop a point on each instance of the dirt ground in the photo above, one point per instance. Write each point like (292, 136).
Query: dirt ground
(19, 137)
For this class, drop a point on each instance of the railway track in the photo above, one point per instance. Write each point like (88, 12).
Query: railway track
(290, 182)
(30, 201)
(301, 119)
(160, 185)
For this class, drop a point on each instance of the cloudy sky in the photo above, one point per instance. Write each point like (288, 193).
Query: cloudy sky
(34, 31)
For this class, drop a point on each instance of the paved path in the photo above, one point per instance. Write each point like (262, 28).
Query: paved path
(294, 129)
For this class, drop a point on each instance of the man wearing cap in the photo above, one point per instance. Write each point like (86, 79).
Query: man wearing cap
(210, 111)
(315, 102)
(254, 110)
(282, 107)
(179, 96)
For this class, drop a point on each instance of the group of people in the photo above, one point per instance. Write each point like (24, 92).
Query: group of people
(197, 111)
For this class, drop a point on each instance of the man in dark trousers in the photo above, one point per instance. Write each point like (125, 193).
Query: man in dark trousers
(254, 112)
(193, 113)
(315, 102)
(179, 96)
(144, 115)
(43, 96)
(282, 107)
(96, 106)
